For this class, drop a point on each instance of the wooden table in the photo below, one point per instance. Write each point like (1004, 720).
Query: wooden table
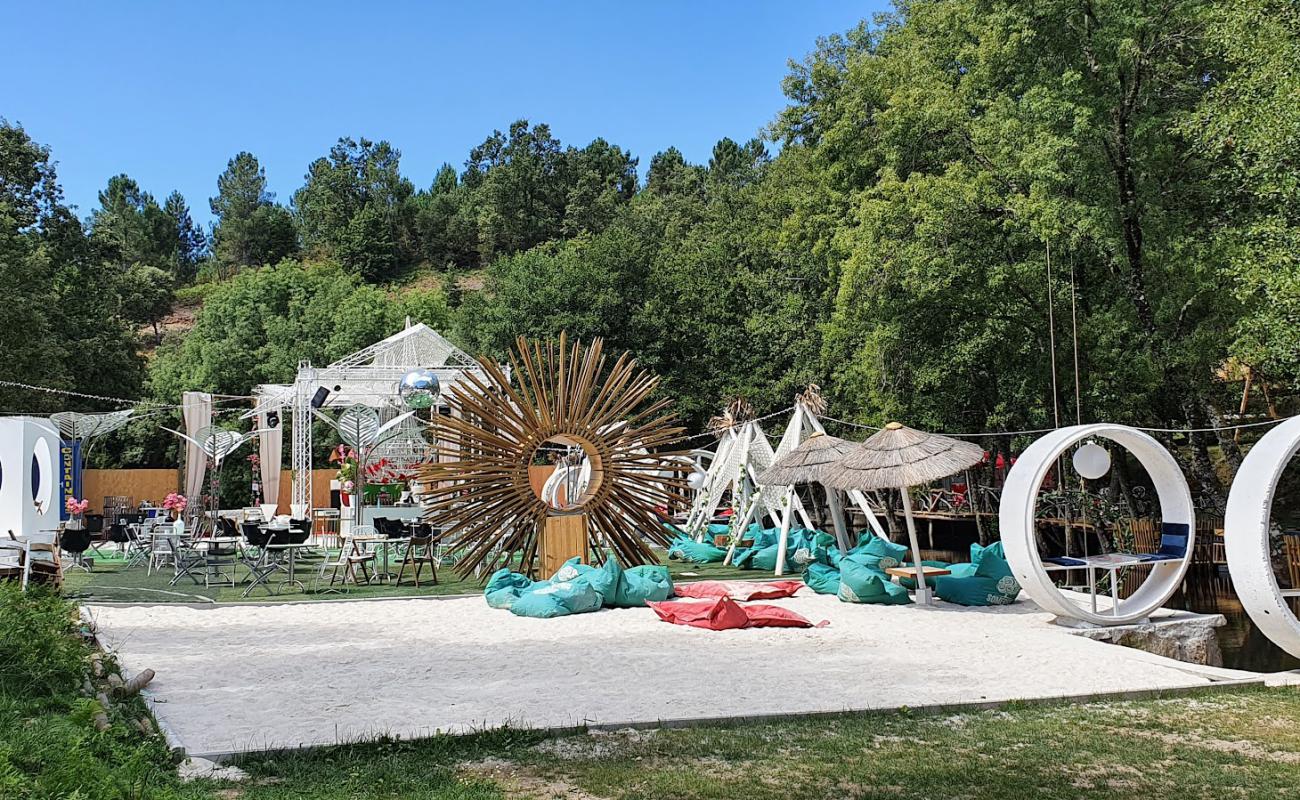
(910, 572)
(923, 592)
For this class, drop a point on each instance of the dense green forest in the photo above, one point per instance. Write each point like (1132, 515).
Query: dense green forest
(889, 236)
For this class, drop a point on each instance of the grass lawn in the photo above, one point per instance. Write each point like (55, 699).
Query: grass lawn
(112, 581)
(1244, 744)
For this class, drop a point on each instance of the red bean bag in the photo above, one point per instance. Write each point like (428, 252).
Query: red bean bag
(723, 613)
(739, 590)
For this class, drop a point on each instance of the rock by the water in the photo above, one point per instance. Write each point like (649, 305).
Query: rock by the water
(1191, 639)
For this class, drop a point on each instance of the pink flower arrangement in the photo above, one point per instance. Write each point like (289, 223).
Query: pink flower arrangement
(175, 502)
(76, 507)
(255, 460)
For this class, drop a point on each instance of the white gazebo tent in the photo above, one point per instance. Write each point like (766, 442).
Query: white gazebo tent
(743, 454)
(368, 377)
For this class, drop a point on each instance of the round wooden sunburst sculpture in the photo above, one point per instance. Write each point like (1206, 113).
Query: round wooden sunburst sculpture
(565, 396)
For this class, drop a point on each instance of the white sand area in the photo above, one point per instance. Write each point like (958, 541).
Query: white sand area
(235, 678)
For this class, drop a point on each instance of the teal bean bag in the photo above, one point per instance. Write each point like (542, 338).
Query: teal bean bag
(538, 606)
(977, 591)
(763, 558)
(575, 596)
(877, 554)
(960, 570)
(504, 587)
(986, 581)
(822, 578)
(861, 584)
(636, 585)
(684, 548)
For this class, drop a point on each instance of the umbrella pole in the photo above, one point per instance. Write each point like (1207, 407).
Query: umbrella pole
(783, 543)
(922, 591)
(837, 519)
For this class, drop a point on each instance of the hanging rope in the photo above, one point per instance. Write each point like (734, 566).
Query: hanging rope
(151, 404)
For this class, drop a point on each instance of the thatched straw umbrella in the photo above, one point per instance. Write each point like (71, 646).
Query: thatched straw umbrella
(898, 457)
(805, 464)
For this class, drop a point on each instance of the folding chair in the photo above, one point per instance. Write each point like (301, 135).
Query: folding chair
(160, 548)
(351, 557)
(185, 558)
(419, 551)
(137, 549)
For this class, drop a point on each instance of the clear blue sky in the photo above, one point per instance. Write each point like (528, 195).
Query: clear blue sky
(168, 92)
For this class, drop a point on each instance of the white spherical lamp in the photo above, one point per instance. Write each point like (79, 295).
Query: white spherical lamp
(1091, 460)
(696, 480)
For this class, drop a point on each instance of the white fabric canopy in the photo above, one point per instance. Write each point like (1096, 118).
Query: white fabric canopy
(196, 412)
(270, 442)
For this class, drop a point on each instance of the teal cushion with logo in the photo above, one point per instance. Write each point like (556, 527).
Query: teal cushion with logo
(878, 554)
(861, 584)
(977, 591)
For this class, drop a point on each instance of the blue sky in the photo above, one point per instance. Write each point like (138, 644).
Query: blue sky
(168, 92)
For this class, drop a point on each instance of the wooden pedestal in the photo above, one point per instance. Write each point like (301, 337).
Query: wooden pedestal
(560, 539)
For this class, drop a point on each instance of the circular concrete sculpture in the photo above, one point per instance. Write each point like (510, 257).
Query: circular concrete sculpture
(1245, 535)
(1017, 514)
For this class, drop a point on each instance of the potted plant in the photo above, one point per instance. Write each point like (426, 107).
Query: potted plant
(346, 458)
(75, 508)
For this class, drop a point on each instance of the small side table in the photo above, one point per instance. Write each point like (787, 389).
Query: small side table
(923, 591)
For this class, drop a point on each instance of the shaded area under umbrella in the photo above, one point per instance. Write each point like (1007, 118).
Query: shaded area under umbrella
(805, 464)
(898, 457)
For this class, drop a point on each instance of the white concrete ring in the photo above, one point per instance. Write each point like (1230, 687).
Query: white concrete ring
(1245, 535)
(1017, 514)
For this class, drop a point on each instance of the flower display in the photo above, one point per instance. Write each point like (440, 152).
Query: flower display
(175, 501)
(76, 507)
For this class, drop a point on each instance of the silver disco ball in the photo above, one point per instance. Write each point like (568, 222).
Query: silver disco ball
(419, 388)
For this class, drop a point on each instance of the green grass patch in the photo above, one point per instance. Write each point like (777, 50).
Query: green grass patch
(49, 744)
(112, 581)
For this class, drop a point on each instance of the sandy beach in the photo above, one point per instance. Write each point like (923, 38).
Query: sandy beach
(252, 677)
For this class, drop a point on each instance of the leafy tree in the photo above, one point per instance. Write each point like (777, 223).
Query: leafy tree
(603, 178)
(129, 225)
(357, 207)
(446, 224)
(146, 296)
(29, 197)
(250, 229)
(518, 182)
(257, 326)
(1249, 124)
(189, 242)
(969, 137)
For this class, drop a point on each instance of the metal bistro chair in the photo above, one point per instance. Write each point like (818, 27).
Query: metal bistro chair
(161, 551)
(257, 557)
(98, 537)
(185, 558)
(137, 544)
(351, 557)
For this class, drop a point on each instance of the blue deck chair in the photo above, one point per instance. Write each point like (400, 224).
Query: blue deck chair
(1173, 543)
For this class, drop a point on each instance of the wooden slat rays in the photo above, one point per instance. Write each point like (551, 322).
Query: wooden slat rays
(477, 491)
